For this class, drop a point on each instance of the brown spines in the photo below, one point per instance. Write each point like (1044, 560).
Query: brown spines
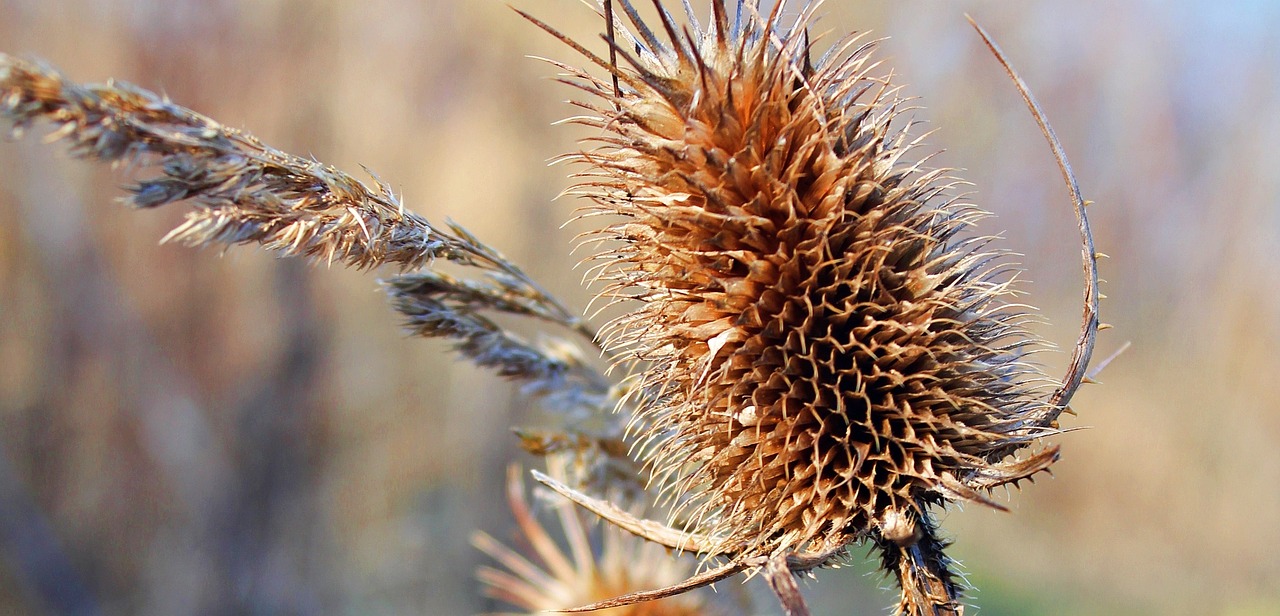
(839, 395)
(823, 348)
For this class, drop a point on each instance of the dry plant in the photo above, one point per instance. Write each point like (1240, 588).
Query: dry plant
(594, 568)
(821, 351)
(246, 192)
(824, 351)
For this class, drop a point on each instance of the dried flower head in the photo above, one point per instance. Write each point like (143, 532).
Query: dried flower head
(824, 349)
(596, 566)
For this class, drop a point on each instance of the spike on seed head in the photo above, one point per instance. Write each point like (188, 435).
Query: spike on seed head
(824, 348)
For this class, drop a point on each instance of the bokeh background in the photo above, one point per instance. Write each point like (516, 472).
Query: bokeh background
(189, 432)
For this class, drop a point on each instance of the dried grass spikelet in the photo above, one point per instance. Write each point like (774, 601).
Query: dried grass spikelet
(244, 191)
(596, 565)
(824, 350)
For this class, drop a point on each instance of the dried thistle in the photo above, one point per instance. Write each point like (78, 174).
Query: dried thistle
(594, 567)
(824, 350)
(246, 192)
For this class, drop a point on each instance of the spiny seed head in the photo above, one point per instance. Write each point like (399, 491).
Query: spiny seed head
(594, 567)
(824, 347)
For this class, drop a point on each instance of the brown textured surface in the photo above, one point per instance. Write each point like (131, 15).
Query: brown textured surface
(826, 344)
(832, 339)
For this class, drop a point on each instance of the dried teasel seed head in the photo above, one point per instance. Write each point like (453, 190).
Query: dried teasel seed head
(824, 343)
(823, 346)
(595, 565)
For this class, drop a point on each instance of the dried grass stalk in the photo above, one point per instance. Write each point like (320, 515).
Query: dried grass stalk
(246, 192)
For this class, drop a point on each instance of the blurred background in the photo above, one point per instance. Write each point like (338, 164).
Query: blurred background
(184, 431)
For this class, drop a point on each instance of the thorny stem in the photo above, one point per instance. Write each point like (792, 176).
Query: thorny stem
(924, 572)
(613, 51)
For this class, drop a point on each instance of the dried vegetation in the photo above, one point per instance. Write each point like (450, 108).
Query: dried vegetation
(819, 352)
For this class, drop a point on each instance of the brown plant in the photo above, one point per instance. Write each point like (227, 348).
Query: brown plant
(595, 566)
(824, 350)
(246, 192)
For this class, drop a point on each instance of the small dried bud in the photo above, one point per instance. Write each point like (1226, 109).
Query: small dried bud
(899, 528)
